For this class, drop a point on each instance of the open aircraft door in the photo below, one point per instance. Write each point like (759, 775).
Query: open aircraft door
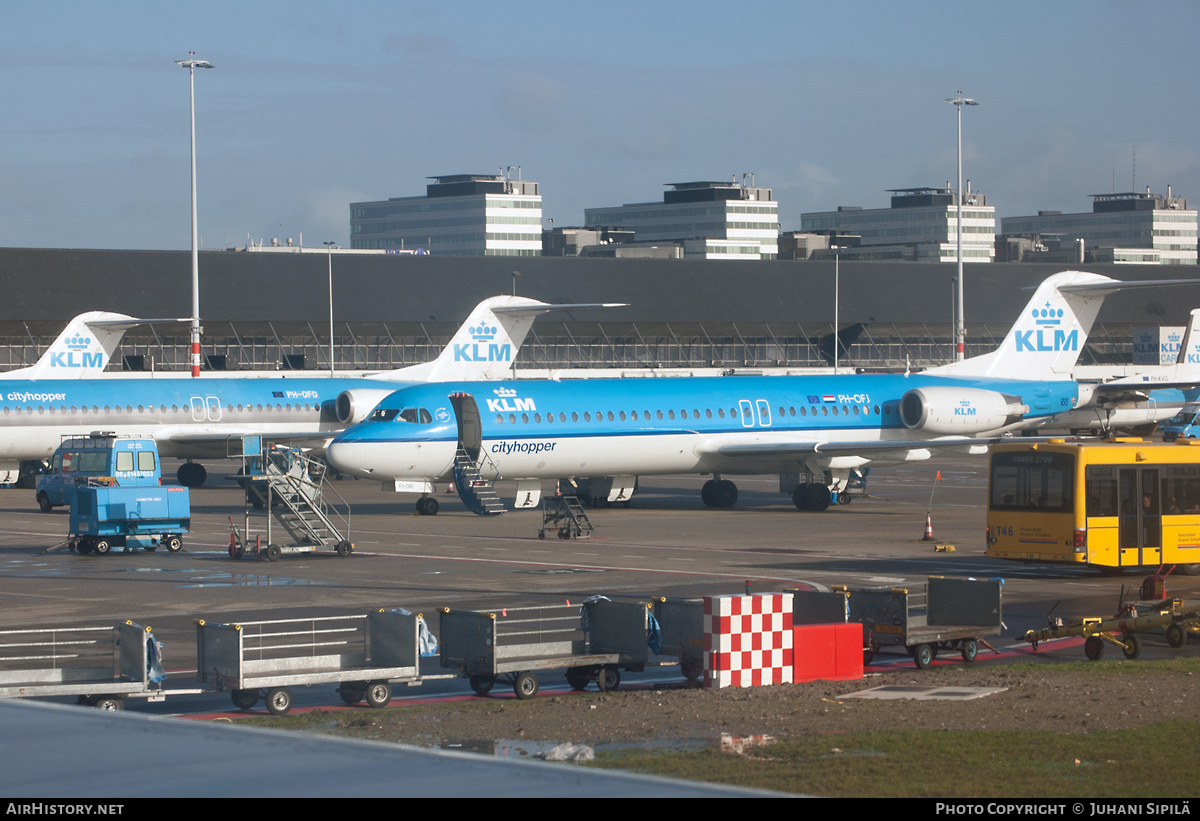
(470, 431)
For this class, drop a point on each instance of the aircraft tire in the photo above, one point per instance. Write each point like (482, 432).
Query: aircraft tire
(817, 497)
(191, 474)
(706, 493)
(724, 494)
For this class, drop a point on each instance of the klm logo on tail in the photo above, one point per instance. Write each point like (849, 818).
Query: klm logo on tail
(483, 349)
(1047, 336)
(76, 355)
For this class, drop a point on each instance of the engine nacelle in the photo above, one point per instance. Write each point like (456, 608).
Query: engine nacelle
(949, 411)
(354, 406)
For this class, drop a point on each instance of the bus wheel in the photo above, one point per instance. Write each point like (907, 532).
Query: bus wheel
(1189, 569)
(1093, 648)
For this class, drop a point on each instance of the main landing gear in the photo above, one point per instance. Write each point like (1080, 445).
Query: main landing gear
(427, 506)
(719, 493)
(191, 474)
(812, 496)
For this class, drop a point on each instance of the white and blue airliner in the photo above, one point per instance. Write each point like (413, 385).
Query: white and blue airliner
(191, 418)
(813, 430)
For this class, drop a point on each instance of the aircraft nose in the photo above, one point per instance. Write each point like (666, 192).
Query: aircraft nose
(350, 457)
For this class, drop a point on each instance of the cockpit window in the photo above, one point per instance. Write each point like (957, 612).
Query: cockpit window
(418, 415)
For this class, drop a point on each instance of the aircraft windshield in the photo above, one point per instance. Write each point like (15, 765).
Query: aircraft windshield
(419, 415)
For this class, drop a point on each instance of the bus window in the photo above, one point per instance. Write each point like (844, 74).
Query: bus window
(1101, 489)
(1033, 481)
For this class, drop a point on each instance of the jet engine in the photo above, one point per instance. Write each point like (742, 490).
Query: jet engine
(949, 411)
(354, 406)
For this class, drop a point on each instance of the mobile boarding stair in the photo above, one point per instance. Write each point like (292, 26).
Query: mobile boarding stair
(477, 493)
(566, 515)
(292, 488)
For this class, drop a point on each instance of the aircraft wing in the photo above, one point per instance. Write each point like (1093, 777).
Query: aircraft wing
(216, 441)
(783, 451)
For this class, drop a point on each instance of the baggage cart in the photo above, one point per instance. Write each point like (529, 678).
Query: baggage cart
(514, 644)
(101, 666)
(681, 626)
(941, 614)
(365, 655)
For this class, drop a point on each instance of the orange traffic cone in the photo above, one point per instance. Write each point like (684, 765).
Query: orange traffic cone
(928, 537)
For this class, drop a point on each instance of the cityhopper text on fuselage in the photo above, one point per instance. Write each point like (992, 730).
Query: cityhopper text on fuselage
(814, 431)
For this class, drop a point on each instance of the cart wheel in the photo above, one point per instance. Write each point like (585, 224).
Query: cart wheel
(101, 547)
(344, 548)
(526, 685)
(244, 699)
(482, 685)
(174, 543)
(562, 534)
(379, 693)
(352, 693)
(578, 678)
(1093, 648)
(1176, 635)
(609, 678)
(83, 548)
(279, 701)
(110, 703)
(969, 650)
(541, 534)
(274, 552)
(843, 499)
(691, 667)
(923, 655)
(868, 656)
(1133, 647)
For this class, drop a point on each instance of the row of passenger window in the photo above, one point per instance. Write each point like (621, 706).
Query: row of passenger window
(29, 409)
(734, 413)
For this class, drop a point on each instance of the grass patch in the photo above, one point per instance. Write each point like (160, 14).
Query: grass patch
(1148, 762)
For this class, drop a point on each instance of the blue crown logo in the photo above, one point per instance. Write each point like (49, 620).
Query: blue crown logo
(1047, 315)
(79, 342)
(1173, 337)
(482, 333)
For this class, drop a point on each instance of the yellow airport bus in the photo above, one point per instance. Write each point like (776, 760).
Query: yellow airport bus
(1122, 503)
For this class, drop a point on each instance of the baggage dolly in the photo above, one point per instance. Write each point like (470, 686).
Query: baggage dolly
(516, 643)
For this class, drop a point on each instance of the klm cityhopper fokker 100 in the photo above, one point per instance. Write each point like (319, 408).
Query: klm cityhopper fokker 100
(195, 417)
(812, 430)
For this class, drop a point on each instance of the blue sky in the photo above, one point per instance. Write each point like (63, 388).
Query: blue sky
(312, 106)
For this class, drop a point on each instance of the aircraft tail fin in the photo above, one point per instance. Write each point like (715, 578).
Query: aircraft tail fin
(1045, 341)
(486, 345)
(1187, 365)
(83, 349)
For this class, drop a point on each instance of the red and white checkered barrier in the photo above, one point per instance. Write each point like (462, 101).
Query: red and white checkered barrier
(747, 640)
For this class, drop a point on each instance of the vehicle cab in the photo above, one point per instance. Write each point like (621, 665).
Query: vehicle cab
(101, 458)
(1183, 425)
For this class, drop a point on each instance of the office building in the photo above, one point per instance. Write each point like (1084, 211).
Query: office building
(1141, 228)
(713, 220)
(460, 214)
(920, 226)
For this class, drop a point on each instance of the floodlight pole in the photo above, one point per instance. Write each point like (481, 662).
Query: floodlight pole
(960, 330)
(191, 64)
(329, 246)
